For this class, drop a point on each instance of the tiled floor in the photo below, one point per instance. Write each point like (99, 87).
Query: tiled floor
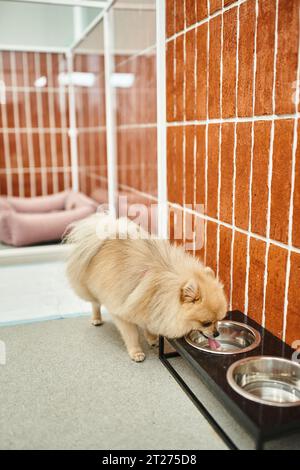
(36, 292)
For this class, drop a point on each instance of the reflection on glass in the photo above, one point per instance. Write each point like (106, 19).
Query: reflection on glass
(89, 79)
(135, 66)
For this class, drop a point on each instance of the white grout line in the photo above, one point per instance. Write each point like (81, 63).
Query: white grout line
(175, 78)
(152, 125)
(23, 170)
(195, 132)
(284, 246)
(271, 117)
(136, 56)
(16, 122)
(52, 123)
(81, 150)
(139, 193)
(42, 147)
(31, 89)
(73, 128)
(220, 140)
(195, 179)
(206, 132)
(270, 171)
(6, 140)
(175, 64)
(184, 117)
(44, 130)
(63, 110)
(234, 154)
(207, 19)
(248, 260)
(28, 123)
(291, 210)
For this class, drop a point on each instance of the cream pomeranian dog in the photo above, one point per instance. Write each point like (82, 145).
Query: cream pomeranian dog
(144, 282)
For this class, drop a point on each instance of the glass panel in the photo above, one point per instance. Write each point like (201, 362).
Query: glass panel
(135, 83)
(88, 60)
(36, 128)
(30, 25)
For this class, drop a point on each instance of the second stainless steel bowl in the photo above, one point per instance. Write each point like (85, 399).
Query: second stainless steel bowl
(271, 381)
(235, 338)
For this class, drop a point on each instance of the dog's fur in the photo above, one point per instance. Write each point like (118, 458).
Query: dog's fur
(144, 282)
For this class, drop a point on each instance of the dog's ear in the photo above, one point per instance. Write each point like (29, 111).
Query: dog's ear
(209, 271)
(190, 292)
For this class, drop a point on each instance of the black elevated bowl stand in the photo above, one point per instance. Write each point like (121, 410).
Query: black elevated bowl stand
(263, 422)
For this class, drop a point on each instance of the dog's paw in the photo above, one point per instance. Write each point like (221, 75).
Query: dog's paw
(97, 322)
(138, 356)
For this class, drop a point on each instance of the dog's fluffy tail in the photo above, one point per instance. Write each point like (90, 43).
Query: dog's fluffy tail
(87, 237)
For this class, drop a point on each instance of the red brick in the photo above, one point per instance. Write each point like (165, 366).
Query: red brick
(3, 185)
(170, 17)
(211, 245)
(287, 55)
(190, 91)
(296, 215)
(229, 63)
(180, 14)
(212, 170)
(200, 164)
(202, 88)
(201, 7)
(170, 81)
(239, 271)
(225, 258)
(227, 158)
(214, 68)
(2, 152)
(246, 58)
(179, 79)
(281, 179)
(265, 57)
(243, 166)
(214, 5)
(260, 191)
(179, 166)
(293, 313)
(189, 165)
(171, 159)
(190, 12)
(256, 279)
(276, 290)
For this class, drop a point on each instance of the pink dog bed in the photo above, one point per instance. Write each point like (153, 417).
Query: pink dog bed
(27, 221)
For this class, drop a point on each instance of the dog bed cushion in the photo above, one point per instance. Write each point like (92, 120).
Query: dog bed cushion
(27, 221)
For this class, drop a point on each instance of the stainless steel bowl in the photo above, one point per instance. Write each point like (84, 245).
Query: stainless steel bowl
(235, 338)
(268, 380)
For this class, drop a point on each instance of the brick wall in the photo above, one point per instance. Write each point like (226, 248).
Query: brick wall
(34, 123)
(233, 146)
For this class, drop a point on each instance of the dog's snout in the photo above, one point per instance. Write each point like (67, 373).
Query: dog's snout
(216, 334)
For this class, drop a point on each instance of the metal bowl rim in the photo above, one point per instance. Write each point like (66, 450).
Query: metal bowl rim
(250, 396)
(255, 344)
